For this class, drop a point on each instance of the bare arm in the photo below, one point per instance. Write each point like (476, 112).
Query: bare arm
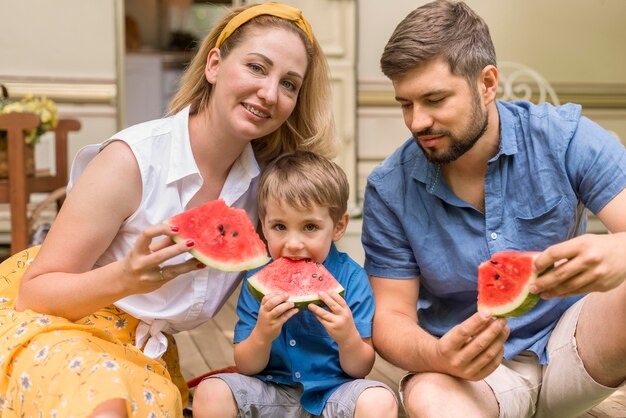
(356, 354)
(62, 280)
(587, 263)
(397, 336)
(470, 350)
(253, 353)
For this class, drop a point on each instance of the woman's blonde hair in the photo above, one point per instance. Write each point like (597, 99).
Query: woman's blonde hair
(309, 127)
(302, 179)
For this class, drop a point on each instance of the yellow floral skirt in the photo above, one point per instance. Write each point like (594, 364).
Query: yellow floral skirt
(51, 366)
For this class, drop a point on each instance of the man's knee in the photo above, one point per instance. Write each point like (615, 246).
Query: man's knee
(442, 395)
(422, 387)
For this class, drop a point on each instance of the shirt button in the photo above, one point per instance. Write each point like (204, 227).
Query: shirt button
(297, 375)
(494, 235)
(292, 343)
(270, 377)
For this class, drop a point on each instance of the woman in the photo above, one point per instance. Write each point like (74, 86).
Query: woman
(90, 333)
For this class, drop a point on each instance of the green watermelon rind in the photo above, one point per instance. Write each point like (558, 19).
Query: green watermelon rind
(524, 302)
(529, 302)
(248, 264)
(301, 302)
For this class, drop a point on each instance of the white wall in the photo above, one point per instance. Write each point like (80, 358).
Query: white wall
(60, 38)
(566, 40)
(68, 51)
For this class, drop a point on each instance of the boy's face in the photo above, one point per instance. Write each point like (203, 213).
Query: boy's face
(300, 233)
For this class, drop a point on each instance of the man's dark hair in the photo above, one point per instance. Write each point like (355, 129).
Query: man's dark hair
(440, 29)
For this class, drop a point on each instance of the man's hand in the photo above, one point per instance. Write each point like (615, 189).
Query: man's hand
(588, 263)
(474, 348)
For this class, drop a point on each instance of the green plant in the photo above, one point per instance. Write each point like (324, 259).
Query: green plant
(41, 106)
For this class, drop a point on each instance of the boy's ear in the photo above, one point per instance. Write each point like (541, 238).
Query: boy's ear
(340, 227)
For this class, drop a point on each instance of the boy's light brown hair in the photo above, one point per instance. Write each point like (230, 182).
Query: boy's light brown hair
(302, 179)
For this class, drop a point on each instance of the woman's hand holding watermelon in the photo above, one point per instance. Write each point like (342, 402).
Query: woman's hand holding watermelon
(474, 348)
(142, 265)
(588, 263)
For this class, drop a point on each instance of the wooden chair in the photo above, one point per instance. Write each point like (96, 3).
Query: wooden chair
(17, 188)
(520, 82)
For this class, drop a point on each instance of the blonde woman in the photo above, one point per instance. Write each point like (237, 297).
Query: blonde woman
(89, 333)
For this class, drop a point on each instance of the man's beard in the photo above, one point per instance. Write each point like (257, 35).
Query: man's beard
(458, 145)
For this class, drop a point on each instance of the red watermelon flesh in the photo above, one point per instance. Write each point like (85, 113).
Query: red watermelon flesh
(224, 237)
(302, 280)
(503, 283)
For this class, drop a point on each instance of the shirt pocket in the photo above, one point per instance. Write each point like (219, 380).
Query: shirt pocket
(541, 227)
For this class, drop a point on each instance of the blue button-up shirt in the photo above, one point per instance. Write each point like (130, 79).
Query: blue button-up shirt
(551, 164)
(304, 353)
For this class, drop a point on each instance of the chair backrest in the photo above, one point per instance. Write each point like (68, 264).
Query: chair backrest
(519, 82)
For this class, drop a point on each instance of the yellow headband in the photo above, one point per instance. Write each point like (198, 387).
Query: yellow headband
(274, 9)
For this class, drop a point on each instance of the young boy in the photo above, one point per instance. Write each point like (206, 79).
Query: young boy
(309, 363)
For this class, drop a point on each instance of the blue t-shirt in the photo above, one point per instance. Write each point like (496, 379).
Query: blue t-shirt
(551, 164)
(304, 353)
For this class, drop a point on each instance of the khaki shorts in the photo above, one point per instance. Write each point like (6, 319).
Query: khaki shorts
(525, 388)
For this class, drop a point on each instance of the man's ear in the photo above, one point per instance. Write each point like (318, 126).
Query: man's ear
(488, 83)
(213, 61)
(340, 227)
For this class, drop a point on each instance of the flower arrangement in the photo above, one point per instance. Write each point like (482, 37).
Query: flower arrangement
(41, 106)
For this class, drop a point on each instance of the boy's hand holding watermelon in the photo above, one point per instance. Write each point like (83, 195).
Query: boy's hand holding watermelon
(337, 319)
(274, 311)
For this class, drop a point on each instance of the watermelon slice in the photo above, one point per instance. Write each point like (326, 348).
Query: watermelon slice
(503, 283)
(302, 280)
(225, 238)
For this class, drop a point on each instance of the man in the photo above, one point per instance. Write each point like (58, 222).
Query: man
(481, 176)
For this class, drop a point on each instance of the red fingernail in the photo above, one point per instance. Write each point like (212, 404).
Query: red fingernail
(200, 265)
(174, 228)
(190, 243)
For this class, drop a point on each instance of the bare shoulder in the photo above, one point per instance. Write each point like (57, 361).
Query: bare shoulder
(104, 196)
(112, 179)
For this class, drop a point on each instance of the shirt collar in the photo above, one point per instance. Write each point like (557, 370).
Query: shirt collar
(182, 161)
(508, 130)
(423, 170)
(331, 258)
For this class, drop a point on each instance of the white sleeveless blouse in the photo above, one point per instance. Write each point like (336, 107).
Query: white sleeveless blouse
(170, 178)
